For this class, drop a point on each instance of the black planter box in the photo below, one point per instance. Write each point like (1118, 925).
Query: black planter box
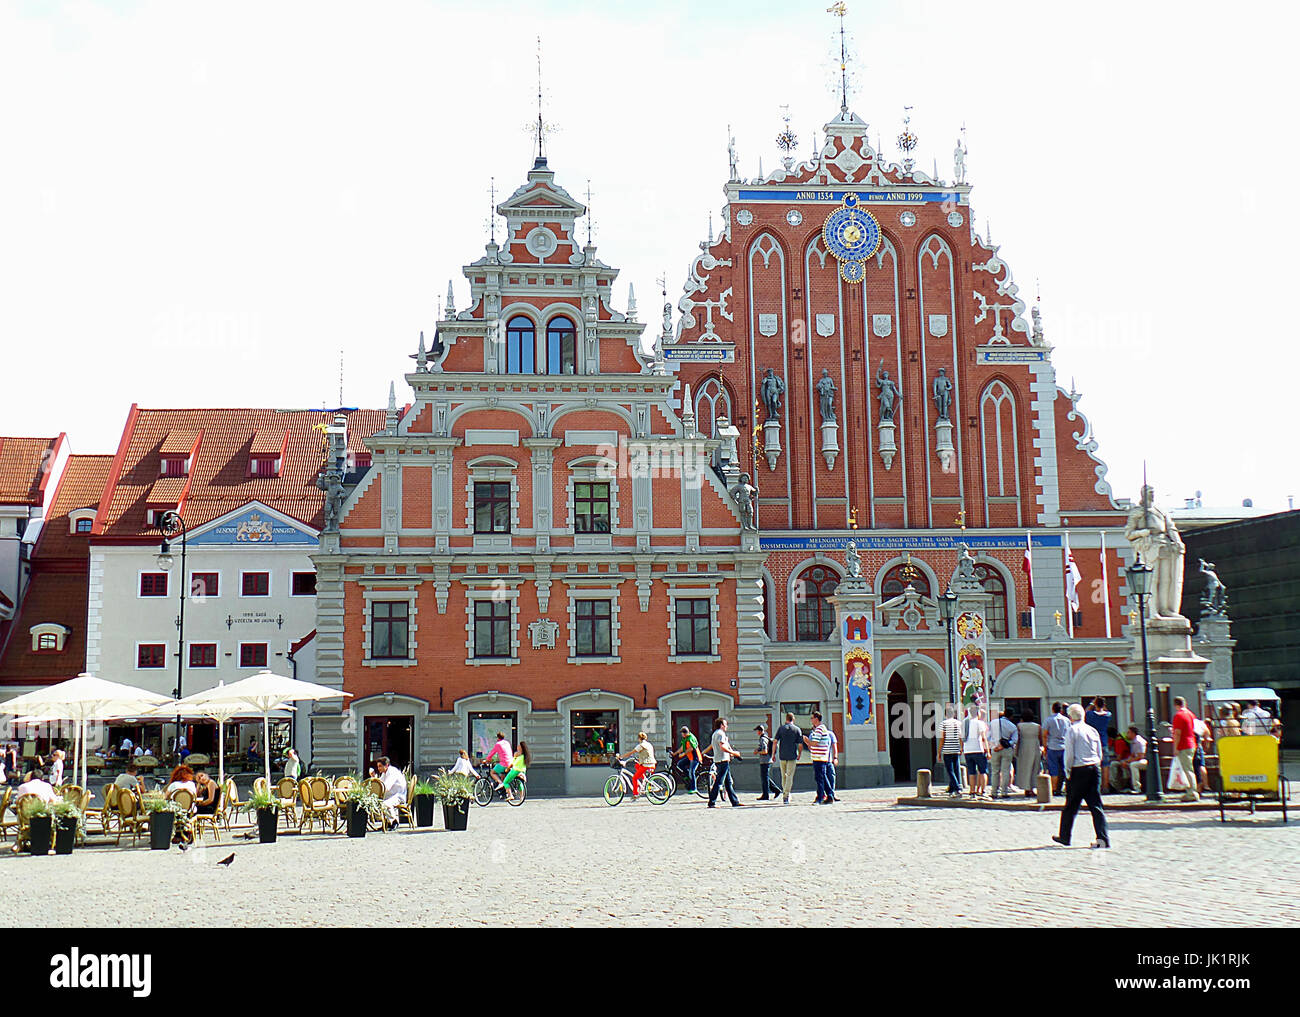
(357, 819)
(161, 826)
(40, 834)
(455, 817)
(424, 810)
(268, 825)
(65, 837)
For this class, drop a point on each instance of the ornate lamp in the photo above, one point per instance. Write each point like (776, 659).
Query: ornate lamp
(1139, 582)
(948, 611)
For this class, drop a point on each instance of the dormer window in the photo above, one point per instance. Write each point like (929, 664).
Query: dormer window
(263, 466)
(81, 520)
(49, 637)
(175, 466)
(266, 453)
(82, 525)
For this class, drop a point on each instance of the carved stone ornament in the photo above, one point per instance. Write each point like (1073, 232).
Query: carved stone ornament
(882, 325)
(744, 217)
(543, 633)
(938, 325)
(825, 325)
(767, 324)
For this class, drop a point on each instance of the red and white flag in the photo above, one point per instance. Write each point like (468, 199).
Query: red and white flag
(1072, 580)
(1028, 566)
(1105, 584)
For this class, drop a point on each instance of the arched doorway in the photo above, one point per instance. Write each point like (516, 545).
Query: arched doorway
(900, 753)
(913, 699)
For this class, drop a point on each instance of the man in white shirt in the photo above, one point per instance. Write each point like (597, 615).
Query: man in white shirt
(975, 746)
(1255, 720)
(1083, 756)
(394, 782)
(37, 786)
(1137, 760)
(723, 753)
(127, 746)
(139, 751)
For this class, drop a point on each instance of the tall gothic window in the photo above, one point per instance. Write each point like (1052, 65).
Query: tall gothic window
(711, 402)
(814, 616)
(520, 345)
(996, 587)
(561, 346)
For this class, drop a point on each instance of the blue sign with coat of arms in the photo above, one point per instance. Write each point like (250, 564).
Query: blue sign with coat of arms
(253, 527)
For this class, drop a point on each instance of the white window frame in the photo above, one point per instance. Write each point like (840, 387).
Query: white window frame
(594, 470)
(59, 632)
(78, 515)
(696, 592)
(606, 590)
(239, 654)
(151, 642)
(490, 588)
(139, 581)
(300, 572)
(486, 470)
(270, 584)
(371, 593)
(211, 642)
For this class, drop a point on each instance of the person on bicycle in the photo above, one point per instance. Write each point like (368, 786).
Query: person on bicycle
(688, 756)
(645, 761)
(518, 767)
(502, 757)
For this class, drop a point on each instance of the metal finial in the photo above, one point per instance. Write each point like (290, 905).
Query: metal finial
(541, 126)
(492, 209)
(839, 10)
(589, 211)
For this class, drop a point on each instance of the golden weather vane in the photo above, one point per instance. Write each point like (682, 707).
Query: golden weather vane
(961, 519)
(853, 518)
(756, 435)
(839, 10)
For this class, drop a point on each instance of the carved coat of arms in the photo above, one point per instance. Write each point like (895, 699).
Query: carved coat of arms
(254, 530)
(938, 325)
(825, 324)
(543, 633)
(882, 325)
(767, 324)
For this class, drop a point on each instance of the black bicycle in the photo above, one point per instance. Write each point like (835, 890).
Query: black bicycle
(486, 790)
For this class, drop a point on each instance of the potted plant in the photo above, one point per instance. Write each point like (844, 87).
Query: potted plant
(363, 806)
(163, 817)
(40, 827)
(67, 817)
(455, 791)
(267, 806)
(425, 799)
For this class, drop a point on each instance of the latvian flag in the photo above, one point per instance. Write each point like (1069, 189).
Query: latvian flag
(1029, 580)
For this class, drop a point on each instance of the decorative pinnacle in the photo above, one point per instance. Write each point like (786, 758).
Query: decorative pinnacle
(631, 303)
(839, 10)
(451, 301)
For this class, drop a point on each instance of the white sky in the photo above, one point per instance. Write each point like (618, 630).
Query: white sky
(202, 204)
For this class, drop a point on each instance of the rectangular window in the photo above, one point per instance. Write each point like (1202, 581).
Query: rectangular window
(256, 584)
(694, 627)
(389, 628)
(590, 507)
(492, 507)
(151, 655)
(174, 467)
(592, 636)
(205, 584)
(483, 730)
(803, 718)
(593, 736)
(263, 466)
(492, 628)
(203, 654)
(84, 525)
(252, 655)
(304, 584)
(153, 584)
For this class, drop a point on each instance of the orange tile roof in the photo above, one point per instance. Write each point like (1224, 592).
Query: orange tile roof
(167, 491)
(22, 469)
(219, 477)
(58, 588)
(179, 443)
(269, 443)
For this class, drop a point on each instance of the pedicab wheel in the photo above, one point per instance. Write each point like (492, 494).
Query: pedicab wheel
(658, 788)
(517, 792)
(483, 790)
(613, 790)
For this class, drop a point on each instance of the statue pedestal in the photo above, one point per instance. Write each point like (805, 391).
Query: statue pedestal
(887, 447)
(1167, 639)
(943, 444)
(772, 442)
(830, 442)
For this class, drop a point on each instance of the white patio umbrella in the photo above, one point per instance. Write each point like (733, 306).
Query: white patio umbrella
(220, 710)
(262, 692)
(82, 699)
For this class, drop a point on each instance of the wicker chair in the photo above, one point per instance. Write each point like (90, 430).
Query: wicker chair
(318, 804)
(407, 808)
(376, 787)
(6, 824)
(231, 806)
(26, 805)
(210, 820)
(286, 790)
(107, 795)
(130, 816)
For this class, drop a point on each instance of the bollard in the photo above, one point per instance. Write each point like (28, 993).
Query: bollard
(922, 783)
(1044, 789)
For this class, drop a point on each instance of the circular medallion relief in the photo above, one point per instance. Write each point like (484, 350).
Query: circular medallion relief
(955, 219)
(794, 217)
(541, 242)
(907, 217)
(744, 217)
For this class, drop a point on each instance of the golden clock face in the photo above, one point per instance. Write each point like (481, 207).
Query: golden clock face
(852, 234)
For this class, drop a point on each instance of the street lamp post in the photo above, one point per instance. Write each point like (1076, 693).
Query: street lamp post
(171, 524)
(1139, 581)
(948, 611)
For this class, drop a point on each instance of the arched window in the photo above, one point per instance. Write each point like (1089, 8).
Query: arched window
(711, 402)
(814, 616)
(897, 579)
(520, 345)
(561, 346)
(996, 587)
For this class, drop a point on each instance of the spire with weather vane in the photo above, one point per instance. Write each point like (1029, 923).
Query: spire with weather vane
(839, 10)
(907, 141)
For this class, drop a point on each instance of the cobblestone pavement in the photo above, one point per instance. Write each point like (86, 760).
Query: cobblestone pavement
(579, 862)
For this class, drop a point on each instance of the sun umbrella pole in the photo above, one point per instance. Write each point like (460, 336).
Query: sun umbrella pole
(221, 755)
(266, 744)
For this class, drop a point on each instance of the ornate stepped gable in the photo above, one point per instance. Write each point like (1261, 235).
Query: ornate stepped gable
(933, 296)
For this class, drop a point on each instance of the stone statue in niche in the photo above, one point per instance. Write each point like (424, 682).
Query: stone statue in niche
(1155, 538)
(826, 394)
(1214, 595)
(942, 391)
(746, 496)
(771, 390)
(889, 394)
